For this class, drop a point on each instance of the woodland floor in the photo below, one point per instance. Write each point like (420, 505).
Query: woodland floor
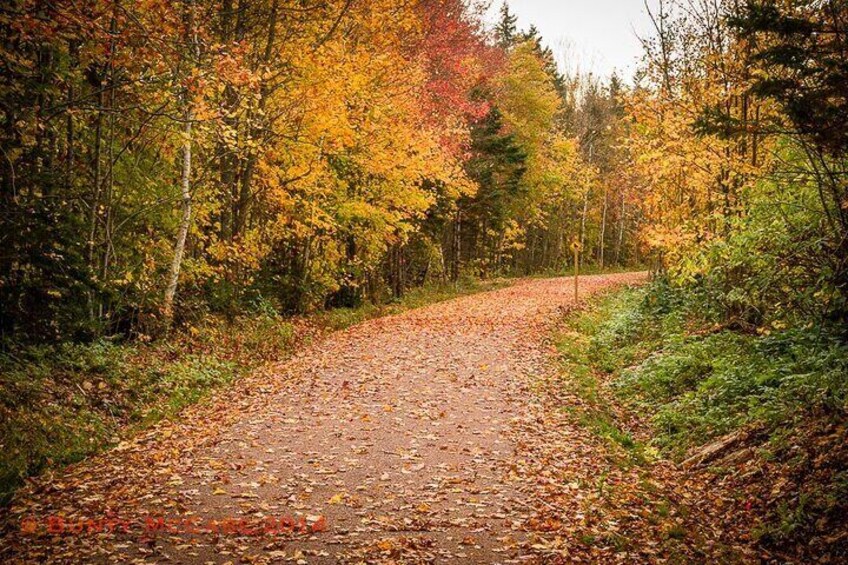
(431, 436)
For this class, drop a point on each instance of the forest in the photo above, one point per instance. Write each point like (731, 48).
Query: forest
(167, 160)
(194, 188)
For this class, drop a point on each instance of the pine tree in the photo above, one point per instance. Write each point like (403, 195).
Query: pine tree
(506, 31)
(546, 55)
(802, 53)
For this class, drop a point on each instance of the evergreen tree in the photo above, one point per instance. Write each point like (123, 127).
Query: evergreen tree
(546, 55)
(802, 51)
(506, 32)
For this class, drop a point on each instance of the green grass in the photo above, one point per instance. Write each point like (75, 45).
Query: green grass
(62, 403)
(694, 380)
(583, 365)
(661, 355)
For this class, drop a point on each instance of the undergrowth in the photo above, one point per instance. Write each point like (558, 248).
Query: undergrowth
(695, 379)
(665, 358)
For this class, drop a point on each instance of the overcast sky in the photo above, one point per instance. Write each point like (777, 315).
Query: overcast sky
(599, 34)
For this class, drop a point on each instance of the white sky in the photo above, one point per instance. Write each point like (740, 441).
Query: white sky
(598, 35)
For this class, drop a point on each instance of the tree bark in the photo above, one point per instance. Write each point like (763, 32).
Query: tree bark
(185, 185)
(583, 221)
(185, 222)
(603, 233)
(621, 223)
(457, 234)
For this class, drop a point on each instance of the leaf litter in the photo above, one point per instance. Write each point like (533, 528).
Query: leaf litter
(432, 436)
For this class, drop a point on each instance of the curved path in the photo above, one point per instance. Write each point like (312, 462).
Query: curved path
(396, 440)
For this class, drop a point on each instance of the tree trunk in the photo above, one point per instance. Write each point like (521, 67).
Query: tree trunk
(185, 221)
(603, 233)
(95, 199)
(621, 222)
(244, 196)
(108, 219)
(583, 221)
(185, 185)
(457, 234)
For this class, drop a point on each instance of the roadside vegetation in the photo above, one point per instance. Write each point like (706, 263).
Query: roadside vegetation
(734, 361)
(763, 413)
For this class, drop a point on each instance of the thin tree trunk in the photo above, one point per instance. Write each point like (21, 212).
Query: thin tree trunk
(457, 234)
(603, 233)
(185, 221)
(95, 200)
(69, 132)
(621, 223)
(583, 221)
(185, 186)
(245, 197)
(108, 245)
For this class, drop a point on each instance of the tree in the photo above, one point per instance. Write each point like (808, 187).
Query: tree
(800, 52)
(506, 30)
(185, 178)
(164, 160)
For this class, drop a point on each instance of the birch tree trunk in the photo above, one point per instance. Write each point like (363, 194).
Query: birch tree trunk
(185, 184)
(583, 220)
(622, 220)
(185, 222)
(603, 232)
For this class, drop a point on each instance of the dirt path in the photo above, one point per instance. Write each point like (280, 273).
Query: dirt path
(405, 438)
